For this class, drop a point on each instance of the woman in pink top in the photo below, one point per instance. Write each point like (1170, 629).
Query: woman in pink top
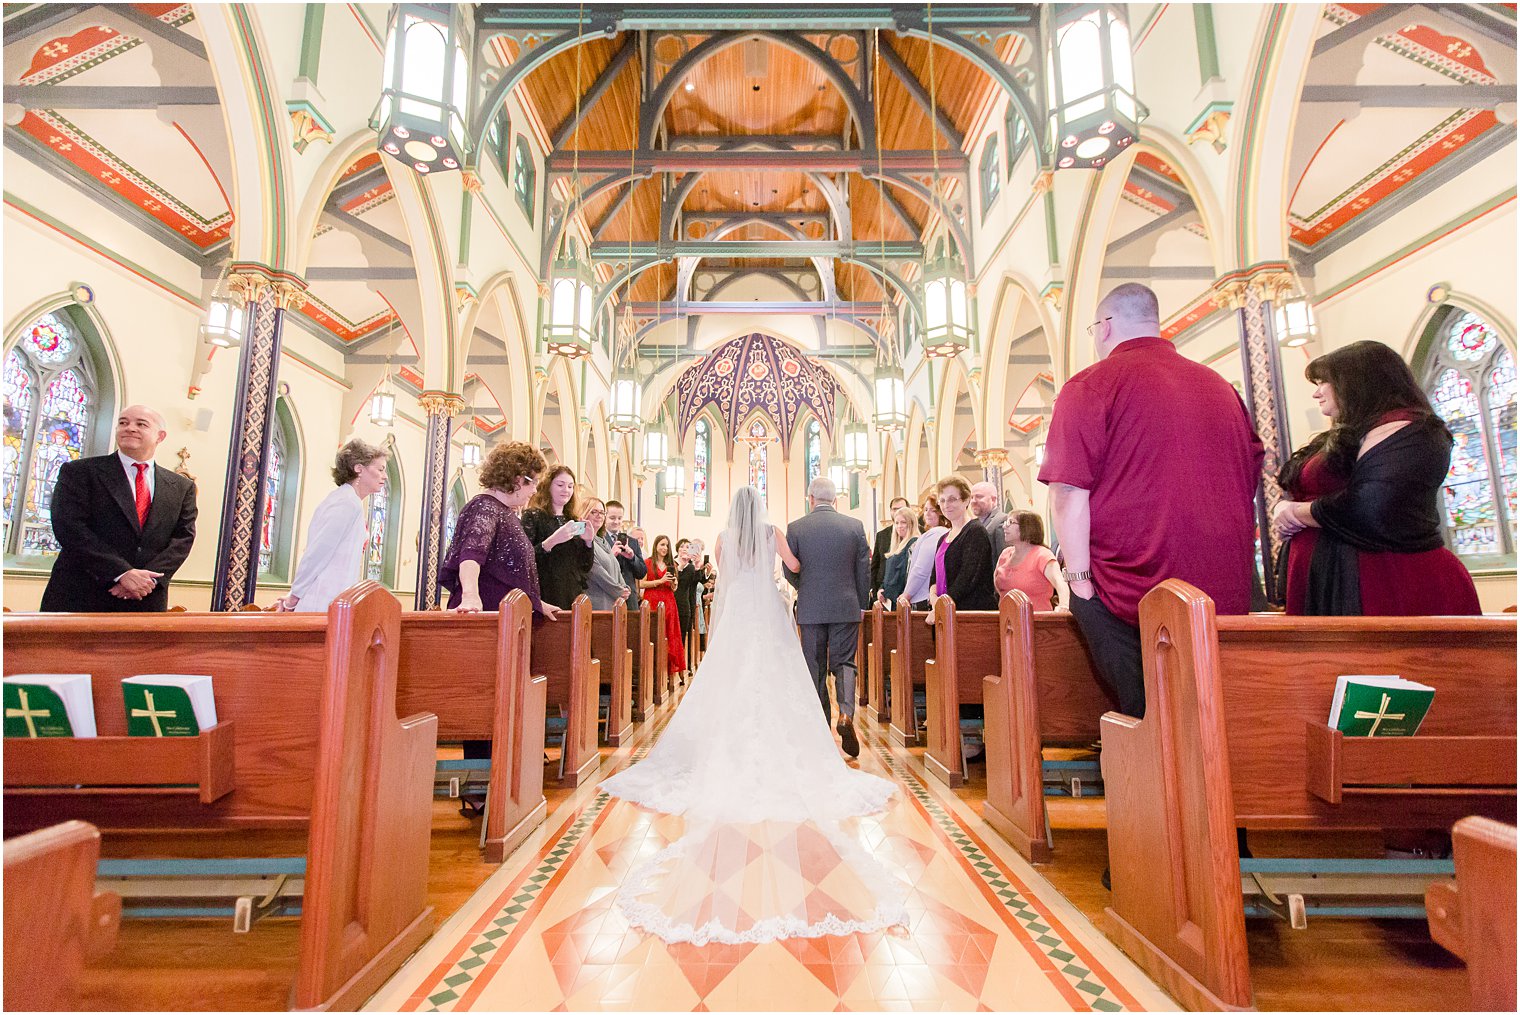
(1027, 563)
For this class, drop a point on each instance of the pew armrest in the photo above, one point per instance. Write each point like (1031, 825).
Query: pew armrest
(201, 765)
(1338, 765)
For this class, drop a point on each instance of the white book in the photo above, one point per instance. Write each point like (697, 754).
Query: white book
(196, 686)
(72, 689)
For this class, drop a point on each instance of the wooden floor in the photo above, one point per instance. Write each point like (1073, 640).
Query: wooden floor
(1336, 965)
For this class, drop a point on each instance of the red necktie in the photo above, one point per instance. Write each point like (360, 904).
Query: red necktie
(143, 500)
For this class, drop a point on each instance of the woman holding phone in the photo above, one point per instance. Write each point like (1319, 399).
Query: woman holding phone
(561, 542)
(659, 586)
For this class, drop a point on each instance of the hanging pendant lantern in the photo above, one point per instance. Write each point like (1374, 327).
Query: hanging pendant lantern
(382, 404)
(891, 409)
(838, 474)
(1091, 83)
(569, 318)
(947, 304)
(857, 447)
(427, 79)
(675, 476)
(656, 449)
(223, 326)
(470, 454)
(626, 395)
(1294, 318)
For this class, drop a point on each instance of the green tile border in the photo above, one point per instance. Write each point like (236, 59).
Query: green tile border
(999, 882)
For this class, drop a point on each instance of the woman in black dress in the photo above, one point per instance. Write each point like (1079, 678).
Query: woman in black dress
(963, 566)
(561, 543)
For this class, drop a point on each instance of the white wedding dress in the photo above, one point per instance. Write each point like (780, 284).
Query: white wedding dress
(750, 763)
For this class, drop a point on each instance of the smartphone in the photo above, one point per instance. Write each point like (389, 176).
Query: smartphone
(706, 560)
(622, 537)
(579, 528)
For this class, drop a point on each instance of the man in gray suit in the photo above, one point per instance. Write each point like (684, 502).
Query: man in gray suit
(831, 591)
(984, 504)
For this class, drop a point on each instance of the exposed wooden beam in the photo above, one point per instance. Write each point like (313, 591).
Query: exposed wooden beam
(35, 19)
(853, 161)
(594, 94)
(1156, 225)
(1158, 273)
(343, 220)
(613, 208)
(1413, 96)
(828, 17)
(1364, 29)
(152, 26)
(360, 274)
(868, 311)
(920, 95)
(110, 96)
(618, 251)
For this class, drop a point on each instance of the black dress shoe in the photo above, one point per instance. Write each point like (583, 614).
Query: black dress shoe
(847, 738)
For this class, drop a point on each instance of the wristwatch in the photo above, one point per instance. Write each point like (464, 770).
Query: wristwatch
(1076, 576)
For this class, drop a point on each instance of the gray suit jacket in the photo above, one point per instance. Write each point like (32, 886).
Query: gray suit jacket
(994, 527)
(606, 578)
(836, 567)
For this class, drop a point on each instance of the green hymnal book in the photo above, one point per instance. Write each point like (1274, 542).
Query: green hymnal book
(49, 705)
(168, 705)
(1374, 706)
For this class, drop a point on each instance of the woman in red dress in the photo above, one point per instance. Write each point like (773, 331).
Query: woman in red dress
(1364, 514)
(658, 586)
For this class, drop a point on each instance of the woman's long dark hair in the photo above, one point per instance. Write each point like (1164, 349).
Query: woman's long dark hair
(1370, 380)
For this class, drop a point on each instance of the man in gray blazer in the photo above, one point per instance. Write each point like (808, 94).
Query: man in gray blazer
(984, 504)
(832, 589)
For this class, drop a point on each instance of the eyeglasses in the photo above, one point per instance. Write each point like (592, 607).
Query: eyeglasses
(1094, 325)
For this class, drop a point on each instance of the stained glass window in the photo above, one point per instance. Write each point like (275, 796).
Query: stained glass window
(701, 459)
(758, 454)
(451, 513)
(20, 393)
(992, 177)
(1472, 387)
(269, 526)
(523, 174)
(380, 539)
(50, 412)
(1017, 133)
(813, 445)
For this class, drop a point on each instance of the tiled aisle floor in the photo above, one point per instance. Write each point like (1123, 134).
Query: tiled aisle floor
(986, 931)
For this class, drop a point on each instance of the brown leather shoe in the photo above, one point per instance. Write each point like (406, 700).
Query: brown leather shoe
(847, 738)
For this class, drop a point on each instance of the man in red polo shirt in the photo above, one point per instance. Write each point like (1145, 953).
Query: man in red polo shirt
(1152, 465)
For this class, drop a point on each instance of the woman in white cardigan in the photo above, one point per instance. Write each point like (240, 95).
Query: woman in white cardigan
(334, 555)
(921, 557)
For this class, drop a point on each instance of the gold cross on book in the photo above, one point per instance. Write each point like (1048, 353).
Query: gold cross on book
(26, 713)
(153, 716)
(1378, 716)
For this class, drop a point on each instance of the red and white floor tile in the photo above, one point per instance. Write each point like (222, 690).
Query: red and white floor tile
(986, 932)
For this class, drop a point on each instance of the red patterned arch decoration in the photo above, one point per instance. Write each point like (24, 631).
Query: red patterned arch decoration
(757, 372)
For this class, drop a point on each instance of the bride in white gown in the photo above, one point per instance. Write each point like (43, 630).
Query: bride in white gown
(749, 761)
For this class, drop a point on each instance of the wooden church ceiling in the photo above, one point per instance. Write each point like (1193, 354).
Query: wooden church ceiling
(757, 89)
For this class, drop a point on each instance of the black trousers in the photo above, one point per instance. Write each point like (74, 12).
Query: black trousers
(1115, 648)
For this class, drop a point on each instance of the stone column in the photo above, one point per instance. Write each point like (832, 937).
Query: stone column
(267, 294)
(1251, 294)
(441, 408)
(993, 461)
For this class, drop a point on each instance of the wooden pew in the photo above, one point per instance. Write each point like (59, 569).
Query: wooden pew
(473, 672)
(662, 678)
(863, 661)
(883, 637)
(965, 653)
(1043, 692)
(1254, 750)
(54, 919)
(914, 643)
(562, 652)
(1474, 916)
(641, 641)
(609, 644)
(307, 738)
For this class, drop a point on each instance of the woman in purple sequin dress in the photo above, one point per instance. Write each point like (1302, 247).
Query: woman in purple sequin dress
(491, 554)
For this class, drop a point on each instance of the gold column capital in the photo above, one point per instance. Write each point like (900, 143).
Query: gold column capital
(441, 403)
(250, 281)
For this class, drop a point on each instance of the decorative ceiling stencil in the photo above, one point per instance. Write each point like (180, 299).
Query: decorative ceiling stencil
(757, 373)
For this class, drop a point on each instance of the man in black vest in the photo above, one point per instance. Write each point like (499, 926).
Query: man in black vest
(124, 525)
(883, 544)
